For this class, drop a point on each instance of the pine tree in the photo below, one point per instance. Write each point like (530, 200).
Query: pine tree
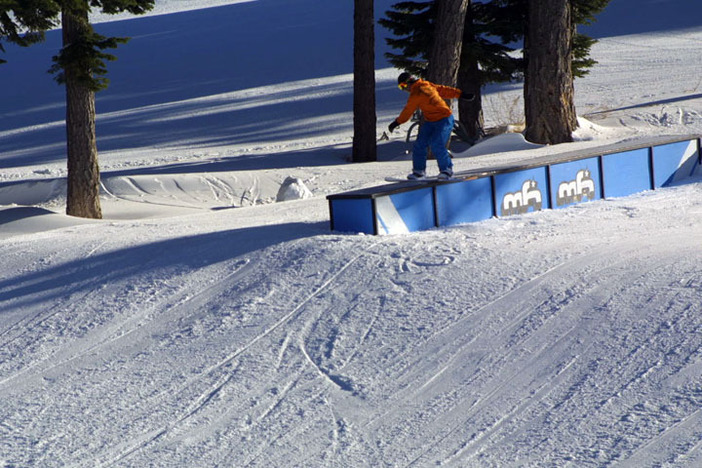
(444, 58)
(412, 24)
(493, 30)
(486, 60)
(508, 21)
(25, 22)
(483, 59)
(80, 65)
(364, 116)
(548, 88)
(555, 54)
(583, 12)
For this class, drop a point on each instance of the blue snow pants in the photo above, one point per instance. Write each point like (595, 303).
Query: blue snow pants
(434, 135)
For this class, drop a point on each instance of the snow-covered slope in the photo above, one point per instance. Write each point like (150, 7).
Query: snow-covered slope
(176, 332)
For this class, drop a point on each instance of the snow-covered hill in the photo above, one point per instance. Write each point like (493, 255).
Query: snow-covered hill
(202, 324)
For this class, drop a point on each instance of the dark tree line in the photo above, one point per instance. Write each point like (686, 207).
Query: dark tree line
(81, 66)
(482, 50)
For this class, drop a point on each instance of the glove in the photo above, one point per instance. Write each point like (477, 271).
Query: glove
(393, 125)
(467, 96)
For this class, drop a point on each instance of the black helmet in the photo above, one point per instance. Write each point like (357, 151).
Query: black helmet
(405, 77)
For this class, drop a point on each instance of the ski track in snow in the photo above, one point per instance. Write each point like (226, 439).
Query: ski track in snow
(470, 372)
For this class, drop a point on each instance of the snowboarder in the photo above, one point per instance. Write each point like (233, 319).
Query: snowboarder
(438, 124)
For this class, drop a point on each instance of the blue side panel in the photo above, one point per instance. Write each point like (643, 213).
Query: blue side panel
(405, 212)
(464, 202)
(674, 162)
(353, 215)
(521, 192)
(626, 173)
(575, 182)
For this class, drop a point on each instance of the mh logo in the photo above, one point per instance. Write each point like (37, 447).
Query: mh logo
(575, 191)
(519, 202)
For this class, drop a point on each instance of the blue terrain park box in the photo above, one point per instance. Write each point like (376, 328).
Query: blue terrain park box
(405, 211)
(626, 173)
(674, 162)
(464, 201)
(555, 181)
(387, 209)
(353, 215)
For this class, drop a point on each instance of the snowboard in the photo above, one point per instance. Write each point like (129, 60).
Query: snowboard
(432, 179)
(422, 180)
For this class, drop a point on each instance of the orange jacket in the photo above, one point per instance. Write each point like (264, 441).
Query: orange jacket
(429, 97)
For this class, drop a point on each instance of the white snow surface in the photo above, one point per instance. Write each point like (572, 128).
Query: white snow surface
(201, 324)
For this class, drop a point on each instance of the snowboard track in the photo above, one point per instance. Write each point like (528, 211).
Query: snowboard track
(151, 437)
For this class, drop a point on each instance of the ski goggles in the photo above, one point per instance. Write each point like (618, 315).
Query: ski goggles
(403, 86)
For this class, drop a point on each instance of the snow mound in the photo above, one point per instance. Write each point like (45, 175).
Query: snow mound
(29, 219)
(203, 190)
(293, 188)
(498, 144)
(33, 192)
(588, 131)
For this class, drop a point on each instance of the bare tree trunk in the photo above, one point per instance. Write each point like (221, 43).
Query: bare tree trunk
(83, 198)
(470, 112)
(364, 116)
(548, 89)
(448, 36)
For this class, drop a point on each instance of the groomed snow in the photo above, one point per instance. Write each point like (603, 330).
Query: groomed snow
(200, 323)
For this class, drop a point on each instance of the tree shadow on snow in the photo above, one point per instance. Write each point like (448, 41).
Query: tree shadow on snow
(659, 102)
(156, 259)
(245, 74)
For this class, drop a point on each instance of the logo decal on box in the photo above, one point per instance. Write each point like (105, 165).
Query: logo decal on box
(519, 202)
(575, 191)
